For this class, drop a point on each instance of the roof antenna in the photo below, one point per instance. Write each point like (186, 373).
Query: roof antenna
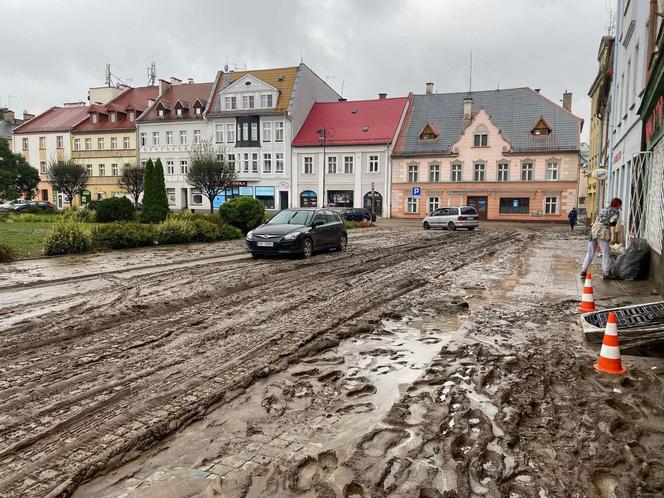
(152, 73)
(342, 88)
(108, 74)
(301, 59)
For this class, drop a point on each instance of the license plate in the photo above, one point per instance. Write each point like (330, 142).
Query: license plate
(265, 244)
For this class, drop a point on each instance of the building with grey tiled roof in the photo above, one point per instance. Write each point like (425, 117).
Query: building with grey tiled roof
(512, 153)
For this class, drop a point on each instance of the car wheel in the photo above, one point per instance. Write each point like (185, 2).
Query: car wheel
(451, 226)
(365, 219)
(255, 255)
(342, 244)
(470, 229)
(307, 248)
(426, 225)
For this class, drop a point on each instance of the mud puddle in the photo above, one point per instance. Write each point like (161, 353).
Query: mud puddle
(310, 417)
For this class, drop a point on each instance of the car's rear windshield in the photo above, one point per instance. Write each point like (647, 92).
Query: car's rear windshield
(292, 217)
(469, 210)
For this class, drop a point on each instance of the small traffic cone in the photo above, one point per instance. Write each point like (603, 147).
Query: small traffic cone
(587, 298)
(609, 355)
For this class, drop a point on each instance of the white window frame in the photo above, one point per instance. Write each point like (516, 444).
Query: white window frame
(197, 137)
(267, 131)
(26, 143)
(102, 170)
(412, 205)
(184, 166)
(549, 203)
(132, 116)
(170, 167)
(279, 162)
(505, 170)
(169, 138)
(155, 138)
(114, 169)
(94, 118)
(183, 137)
(254, 162)
(77, 144)
(308, 164)
(479, 172)
(254, 132)
(143, 137)
(59, 142)
(552, 171)
(267, 162)
(349, 165)
(88, 144)
(231, 161)
(245, 163)
(194, 193)
(278, 131)
(170, 195)
(88, 168)
(126, 142)
(434, 174)
(456, 169)
(413, 173)
(178, 111)
(230, 132)
(434, 203)
(100, 143)
(160, 113)
(114, 143)
(527, 171)
(332, 163)
(374, 163)
(219, 133)
(483, 139)
(248, 102)
(113, 117)
(43, 167)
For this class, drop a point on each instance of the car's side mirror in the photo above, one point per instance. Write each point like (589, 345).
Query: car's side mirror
(317, 223)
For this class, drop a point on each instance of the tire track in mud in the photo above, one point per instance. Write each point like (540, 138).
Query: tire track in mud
(73, 424)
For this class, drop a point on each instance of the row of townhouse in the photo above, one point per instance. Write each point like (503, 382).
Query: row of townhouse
(294, 141)
(626, 152)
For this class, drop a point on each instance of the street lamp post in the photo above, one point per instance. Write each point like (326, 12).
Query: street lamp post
(324, 134)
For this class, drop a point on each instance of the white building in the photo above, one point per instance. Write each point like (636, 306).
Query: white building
(253, 117)
(342, 153)
(168, 129)
(628, 87)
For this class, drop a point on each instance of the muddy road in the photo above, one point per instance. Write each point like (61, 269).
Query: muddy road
(402, 367)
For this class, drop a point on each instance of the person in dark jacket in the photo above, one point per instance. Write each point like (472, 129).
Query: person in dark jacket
(572, 216)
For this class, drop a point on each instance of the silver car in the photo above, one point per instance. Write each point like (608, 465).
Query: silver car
(452, 217)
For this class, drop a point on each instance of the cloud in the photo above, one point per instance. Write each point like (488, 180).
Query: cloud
(59, 49)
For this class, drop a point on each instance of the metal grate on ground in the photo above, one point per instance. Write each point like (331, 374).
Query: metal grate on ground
(642, 315)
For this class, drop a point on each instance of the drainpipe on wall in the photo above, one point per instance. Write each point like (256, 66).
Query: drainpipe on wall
(616, 49)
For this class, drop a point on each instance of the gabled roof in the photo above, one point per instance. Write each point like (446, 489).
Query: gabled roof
(354, 122)
(135, 99)
(514, 111)
(183, 93)
(56, 119)
(283, 79)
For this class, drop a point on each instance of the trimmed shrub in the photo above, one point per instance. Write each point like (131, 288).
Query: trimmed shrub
(155, 201)
(114, 209)
(174, 231)
(204, 231)
(350, 225)
(67, 237)
(6, 253)
(229, 232)
(123, 235)
(245, 213)
(79, 215)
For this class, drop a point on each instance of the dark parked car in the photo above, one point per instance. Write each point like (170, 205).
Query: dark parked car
(34, 205)
(358, 214)
(298, 231)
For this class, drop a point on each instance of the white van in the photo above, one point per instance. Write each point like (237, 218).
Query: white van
(452, 217)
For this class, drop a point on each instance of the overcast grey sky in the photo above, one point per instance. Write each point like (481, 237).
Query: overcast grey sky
(55, 49)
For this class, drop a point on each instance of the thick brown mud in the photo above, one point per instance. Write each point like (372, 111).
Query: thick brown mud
(414, 364)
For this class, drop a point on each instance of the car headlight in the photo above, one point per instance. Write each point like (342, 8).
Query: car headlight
(291, 236)
(250, 235)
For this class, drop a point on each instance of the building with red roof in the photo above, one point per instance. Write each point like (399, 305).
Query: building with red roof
(105, 140)
(342, 153)
(47, 137)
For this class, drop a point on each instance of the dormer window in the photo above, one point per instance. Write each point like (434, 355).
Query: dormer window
(197, 111)
(541, 128)
(94, 117)
(113, 117)
(161, 113)
(178, 111)
(429, 132)
(248, 102)
(481, 137)
(132, 116)
(231, 103)
(266, 101)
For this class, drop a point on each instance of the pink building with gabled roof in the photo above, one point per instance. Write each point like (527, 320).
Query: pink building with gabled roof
(341, 155)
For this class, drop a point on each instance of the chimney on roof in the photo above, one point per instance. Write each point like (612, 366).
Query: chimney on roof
(382, 96)
(150, 102)
(164, 86)
(8, 115)
(341, 99)
(567, 101)
(27, 115)
(225, 68)
(175, 81)
(467, 107)
(537, 90)
(429, 87)
(190, 81)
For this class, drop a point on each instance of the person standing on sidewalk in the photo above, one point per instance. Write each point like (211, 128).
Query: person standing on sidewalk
(572, 216)
(600, 234)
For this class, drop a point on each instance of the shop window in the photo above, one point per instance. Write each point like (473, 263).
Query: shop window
(340, 198)
(266, 196)
(196, 196)
(308, 198)
(514, 205)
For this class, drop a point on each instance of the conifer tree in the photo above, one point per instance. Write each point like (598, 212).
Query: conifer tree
(148, 193)
(159, 191)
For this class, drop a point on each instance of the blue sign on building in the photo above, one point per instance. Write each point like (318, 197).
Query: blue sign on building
(417, 191)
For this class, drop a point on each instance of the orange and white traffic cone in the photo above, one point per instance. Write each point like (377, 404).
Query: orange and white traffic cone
(609, 356)
(587, 298)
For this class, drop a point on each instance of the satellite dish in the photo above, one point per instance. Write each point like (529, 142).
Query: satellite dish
(600, 174)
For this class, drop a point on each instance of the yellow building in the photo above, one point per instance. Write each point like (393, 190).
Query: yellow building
(599, 123)
(105, 142)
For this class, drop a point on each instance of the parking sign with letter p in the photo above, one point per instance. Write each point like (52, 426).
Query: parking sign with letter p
(416, 191)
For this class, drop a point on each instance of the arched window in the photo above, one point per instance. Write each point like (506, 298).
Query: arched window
(377, 202)
(308, 198)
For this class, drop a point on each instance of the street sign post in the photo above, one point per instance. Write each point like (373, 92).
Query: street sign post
(417, 191)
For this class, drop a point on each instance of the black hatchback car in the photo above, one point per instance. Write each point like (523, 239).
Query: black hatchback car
(358, 214)
(298, 231)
